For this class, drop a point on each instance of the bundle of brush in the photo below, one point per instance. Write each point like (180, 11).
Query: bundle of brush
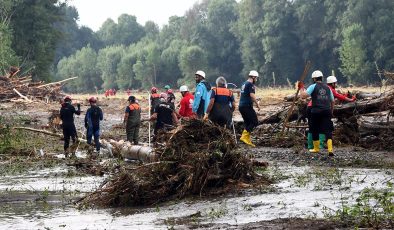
(197, 159)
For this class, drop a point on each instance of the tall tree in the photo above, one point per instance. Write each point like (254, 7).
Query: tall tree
(35, 35)
(7, 54)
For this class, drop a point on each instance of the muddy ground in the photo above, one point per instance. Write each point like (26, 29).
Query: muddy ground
(39, 186)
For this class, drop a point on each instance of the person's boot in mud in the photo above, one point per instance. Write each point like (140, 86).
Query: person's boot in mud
(248, 98)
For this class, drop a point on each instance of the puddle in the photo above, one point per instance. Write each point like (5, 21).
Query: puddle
(301, 195)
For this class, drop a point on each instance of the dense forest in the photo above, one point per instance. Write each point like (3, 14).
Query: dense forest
(350, 38)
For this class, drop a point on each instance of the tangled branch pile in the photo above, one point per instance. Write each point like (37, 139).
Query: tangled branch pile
(12, 87)
(197, 159)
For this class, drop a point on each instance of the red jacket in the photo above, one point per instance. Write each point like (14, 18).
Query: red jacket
(186, 105)
(337, 95)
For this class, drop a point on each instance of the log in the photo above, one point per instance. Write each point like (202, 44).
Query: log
(58, 82)
(24, 97)
(116, 148)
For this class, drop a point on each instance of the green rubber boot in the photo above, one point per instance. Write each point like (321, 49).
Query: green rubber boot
(310, 140)
(322, 139)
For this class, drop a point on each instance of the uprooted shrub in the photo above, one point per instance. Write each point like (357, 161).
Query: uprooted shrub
(196, 159)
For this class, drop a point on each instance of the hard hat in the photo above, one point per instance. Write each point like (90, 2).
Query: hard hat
(167, 87)
(153, 90)
(331, 79)
(317, 73)
(170, 91)
(183, 88)
(253, 73)
(200, 73)
(92, 100)
(131, 98)
(67, 98)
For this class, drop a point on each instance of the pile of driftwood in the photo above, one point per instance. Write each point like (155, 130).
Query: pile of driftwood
(197, 159)
(367, 122)
(14, 87)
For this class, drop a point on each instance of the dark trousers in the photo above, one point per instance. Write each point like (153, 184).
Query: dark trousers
(321, 123)
(132, 132)
(221, 115)
(69, 131)
(249, 116)
(95, 131)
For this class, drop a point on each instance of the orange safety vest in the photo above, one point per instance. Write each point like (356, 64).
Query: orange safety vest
(134, 107)
(222, 92)
(155, 95)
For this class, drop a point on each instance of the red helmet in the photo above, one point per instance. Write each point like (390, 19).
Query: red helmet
(67, 98)
(153, 90)
(169, 91)
(92, 100)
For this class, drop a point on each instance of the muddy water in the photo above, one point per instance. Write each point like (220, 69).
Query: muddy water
(41, 199)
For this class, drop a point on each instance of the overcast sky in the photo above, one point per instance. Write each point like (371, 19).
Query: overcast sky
(93, 13)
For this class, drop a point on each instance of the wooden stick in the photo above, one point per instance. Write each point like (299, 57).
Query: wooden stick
(290, 111)
(24, 97)
(45, 132)
(58, 82)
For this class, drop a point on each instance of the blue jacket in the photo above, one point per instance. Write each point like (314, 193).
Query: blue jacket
(201, 93)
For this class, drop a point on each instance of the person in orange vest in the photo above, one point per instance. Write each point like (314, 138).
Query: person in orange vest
(154, 99)
(132, 120)
(221, 105)
(186, 103)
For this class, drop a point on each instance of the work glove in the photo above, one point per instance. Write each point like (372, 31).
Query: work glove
(205, 117)
(300, 85)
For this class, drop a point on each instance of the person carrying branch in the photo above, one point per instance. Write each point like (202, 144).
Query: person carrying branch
(92, 123)
(221, 105)
(67, 112)
(132, 120)
(248, 98)
(321, 111)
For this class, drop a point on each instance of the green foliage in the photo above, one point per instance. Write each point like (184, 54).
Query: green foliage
(192, 58)
(222, 37)
(374, 208)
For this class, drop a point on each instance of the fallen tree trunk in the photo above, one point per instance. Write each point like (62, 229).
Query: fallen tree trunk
(115, 148)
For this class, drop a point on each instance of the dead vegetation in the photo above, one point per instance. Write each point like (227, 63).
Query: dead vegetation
(197, 159)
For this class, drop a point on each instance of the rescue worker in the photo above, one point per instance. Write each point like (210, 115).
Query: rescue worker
(67, 112)
(154, 99)
(322, 137)
(92, 123)
(321, 111)
(331, 82)
(201, 96)
(171, 98)
(186, 103)
(221, 105)
(164, 114)
(248, 98)
(132, 120)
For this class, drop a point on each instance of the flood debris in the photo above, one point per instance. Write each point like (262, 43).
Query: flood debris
(14, 88)
(196, 159)
(368, 122)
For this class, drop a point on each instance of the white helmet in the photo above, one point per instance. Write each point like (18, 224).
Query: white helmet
(253, 73)
(183, 88)
(331, 79)
(317, 73)
(200, 73)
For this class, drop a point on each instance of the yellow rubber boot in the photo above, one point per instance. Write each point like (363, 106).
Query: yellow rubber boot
(329, 147)
(248, 141)
(316, 147)
(243, 136)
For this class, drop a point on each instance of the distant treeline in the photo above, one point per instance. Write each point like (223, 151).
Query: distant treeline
(349, 38)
